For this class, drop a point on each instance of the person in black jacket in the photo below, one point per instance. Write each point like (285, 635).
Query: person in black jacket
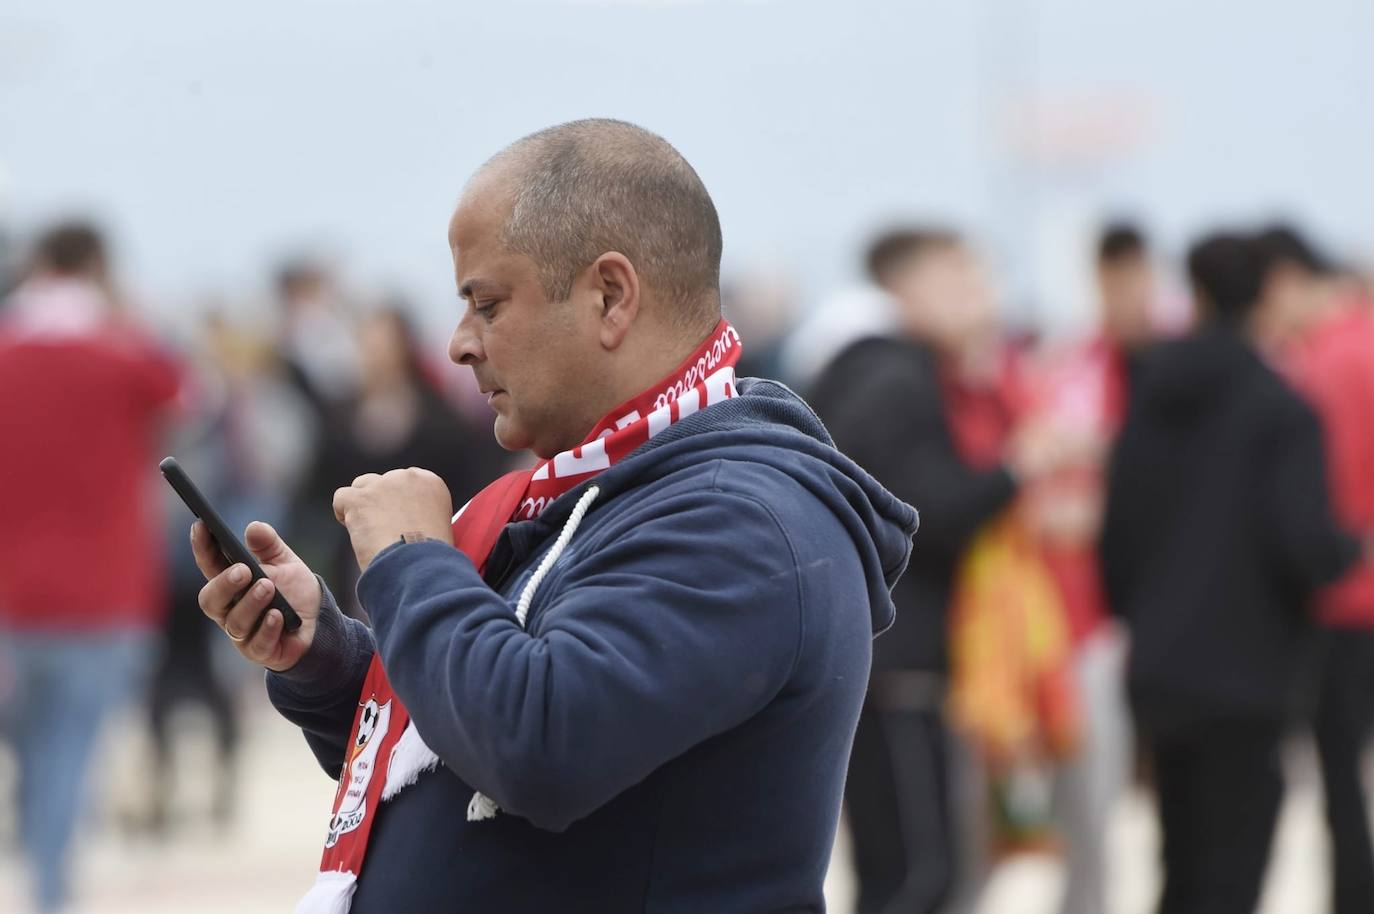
(882, 401)
(1218, 529)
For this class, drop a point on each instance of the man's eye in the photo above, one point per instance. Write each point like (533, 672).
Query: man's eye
(484, 308)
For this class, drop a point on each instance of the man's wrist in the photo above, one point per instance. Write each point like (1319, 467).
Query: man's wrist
(325, 663)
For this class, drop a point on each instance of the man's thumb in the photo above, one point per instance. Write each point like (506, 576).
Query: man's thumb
(266, 544)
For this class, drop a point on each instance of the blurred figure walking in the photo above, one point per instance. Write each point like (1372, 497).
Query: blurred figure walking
(82, 567)
(1218, 530)
(318, 335)
(398, 419)
(1326, 341)
(1081, 390)
(885, 401)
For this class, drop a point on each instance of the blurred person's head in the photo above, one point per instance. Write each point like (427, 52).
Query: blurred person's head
(239, 355)
(390, 349)
(941, 291)
(759, 303)
(301, 282)
(72, 250)
(1125, 284)
(1293, 284)
(589, 257)
(1225, 272)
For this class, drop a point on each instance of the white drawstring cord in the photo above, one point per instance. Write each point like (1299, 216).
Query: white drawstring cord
(483, 806)
(522, 608)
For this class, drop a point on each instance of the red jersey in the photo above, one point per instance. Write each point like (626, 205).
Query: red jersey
(1335, 370)
(1083, 390)
(81, 547)
(982, 414)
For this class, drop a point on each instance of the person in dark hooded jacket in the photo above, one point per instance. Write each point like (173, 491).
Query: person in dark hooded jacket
(1218, 529)
(887, 401)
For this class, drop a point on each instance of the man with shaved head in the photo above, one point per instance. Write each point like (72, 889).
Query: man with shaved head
(627, 679)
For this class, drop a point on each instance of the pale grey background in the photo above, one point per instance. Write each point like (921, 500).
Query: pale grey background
(213, 137)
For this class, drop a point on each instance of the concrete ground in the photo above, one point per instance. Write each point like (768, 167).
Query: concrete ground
(267, 857)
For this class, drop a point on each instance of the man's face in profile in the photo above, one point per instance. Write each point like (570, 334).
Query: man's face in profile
(530, 355)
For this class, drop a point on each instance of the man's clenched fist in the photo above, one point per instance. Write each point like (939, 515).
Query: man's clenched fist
(377, 510)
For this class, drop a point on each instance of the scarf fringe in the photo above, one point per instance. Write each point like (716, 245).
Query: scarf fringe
(410, 758)
(332, 893)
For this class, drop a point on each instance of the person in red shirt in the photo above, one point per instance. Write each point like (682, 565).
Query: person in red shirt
(81, 552)
(1324, 340)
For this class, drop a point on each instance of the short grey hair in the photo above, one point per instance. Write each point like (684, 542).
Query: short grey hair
(586, 187)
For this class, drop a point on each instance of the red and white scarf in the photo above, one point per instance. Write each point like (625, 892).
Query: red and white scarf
(385, 752)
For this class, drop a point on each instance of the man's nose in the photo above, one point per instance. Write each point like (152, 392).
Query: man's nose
(465, 347)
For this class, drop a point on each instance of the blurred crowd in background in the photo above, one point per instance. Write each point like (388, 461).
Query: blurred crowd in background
(1144, 552)
(96, 578)
(1130, 544)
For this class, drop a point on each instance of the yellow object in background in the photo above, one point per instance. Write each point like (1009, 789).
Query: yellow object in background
(1012, 689)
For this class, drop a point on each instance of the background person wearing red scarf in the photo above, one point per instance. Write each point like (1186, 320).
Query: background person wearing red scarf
(633, 685)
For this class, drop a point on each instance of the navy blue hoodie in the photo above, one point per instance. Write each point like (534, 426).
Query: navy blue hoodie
(670, 734)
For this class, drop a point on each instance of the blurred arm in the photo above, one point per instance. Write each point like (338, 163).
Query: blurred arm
(1308, 542)
(1125, 526)
(891, 422)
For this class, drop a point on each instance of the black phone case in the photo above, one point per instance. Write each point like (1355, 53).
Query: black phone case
(229, 544)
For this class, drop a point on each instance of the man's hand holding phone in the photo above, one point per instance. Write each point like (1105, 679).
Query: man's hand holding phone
(258, 590)
(258, 635)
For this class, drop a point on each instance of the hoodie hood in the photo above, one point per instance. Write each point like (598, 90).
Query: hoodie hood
(1195, 376)
(769, 424)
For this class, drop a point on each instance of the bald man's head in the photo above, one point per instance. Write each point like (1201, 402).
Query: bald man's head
(578, 190)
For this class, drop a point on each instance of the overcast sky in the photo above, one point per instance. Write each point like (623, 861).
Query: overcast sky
(212, 137)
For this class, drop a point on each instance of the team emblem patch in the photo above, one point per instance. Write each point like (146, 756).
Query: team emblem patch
(373, 722)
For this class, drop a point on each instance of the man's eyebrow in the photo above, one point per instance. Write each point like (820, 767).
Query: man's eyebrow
(472, 288)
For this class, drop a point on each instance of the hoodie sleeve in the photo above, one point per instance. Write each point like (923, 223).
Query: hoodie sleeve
(1135, 496)
(684, 622)
(888, 417)
(1307, 541)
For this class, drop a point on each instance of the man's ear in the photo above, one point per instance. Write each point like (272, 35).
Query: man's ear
(617, 285)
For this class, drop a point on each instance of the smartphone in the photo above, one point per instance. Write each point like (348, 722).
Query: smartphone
(232, 548)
